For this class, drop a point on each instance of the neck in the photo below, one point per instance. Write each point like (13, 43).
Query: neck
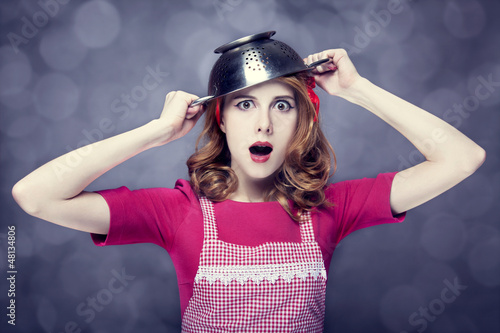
(251, 190)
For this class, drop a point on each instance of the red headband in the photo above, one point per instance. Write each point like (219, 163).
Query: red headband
(217, 111)
(310, 83)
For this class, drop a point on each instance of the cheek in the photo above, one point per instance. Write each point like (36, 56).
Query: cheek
(286, 126)
(237, 138)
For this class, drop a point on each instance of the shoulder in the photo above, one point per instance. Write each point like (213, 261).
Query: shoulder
(357, 193)
(382, 182)
(182, 194)
(183, 187)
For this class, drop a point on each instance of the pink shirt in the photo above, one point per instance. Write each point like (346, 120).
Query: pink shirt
(172, 219)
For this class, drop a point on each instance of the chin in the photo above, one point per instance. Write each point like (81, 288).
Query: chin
(257, 174)
(263, 177)
(258, 171)
(260, 175)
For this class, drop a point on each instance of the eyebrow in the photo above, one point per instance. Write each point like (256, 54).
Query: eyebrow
(244, 96)
(253, 97)
(284, 96)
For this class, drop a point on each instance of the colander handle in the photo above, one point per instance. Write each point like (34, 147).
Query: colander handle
(201, 100)
(317, 63)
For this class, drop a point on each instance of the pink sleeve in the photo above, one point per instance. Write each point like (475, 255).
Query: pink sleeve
(362, 203)
(144, 216)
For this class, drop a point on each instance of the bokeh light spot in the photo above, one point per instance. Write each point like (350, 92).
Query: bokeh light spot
(443, 236)
(464, 18)
(484, 262)
(97, 23)
(56, 96)
(62, 50)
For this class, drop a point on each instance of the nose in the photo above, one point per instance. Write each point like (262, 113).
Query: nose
(264, 122)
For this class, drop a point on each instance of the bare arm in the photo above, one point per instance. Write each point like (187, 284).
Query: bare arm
(55, 191)
(450, 155)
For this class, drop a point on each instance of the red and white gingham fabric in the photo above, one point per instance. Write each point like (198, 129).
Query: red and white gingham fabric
(273, 287)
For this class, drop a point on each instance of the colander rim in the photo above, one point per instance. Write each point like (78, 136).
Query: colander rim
(206, 99)
(244, 40)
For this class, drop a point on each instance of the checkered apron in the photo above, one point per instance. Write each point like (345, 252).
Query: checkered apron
(273, 287)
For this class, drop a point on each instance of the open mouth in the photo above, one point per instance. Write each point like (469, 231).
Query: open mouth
(260, 151)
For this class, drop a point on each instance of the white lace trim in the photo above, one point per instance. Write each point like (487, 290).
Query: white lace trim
(258, 273)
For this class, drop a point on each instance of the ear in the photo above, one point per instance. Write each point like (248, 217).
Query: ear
(222, 125)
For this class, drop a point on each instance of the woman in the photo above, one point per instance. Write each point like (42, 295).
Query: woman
(253, 232)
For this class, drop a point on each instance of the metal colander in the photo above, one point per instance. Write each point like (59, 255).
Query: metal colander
(252, 60)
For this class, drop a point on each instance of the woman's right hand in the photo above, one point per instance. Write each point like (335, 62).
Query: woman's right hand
(177, 117)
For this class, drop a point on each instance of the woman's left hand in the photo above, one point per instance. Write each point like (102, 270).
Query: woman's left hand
(338, 75)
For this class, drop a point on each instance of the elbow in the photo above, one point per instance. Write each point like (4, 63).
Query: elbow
(24, 198)
(473, 160)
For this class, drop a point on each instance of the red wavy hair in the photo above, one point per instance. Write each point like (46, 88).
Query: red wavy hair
(301, 178)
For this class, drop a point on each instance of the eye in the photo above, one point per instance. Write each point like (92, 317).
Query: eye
(283, 106)
(245, 105)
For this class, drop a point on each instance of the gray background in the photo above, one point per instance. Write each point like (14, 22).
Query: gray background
(63, 84)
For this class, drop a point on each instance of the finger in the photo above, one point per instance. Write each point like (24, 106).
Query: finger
(321, 69)
(169, 97)
(332, 67)
(333, 54)
(193, 111)
(338, 55)
(309, 59)
(192, 97)
(200, 110)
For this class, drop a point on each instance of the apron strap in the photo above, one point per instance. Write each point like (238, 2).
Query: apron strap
(306, 228)
(209, 222)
